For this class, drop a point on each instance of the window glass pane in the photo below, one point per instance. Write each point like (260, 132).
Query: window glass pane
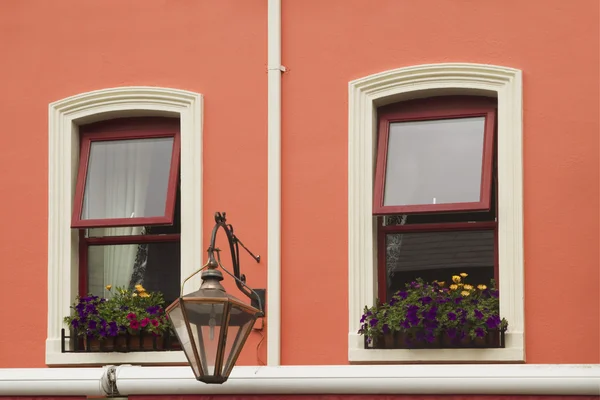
(153, 265)
(437, 256)
(127, 178)
(434, 162)
(142, 230)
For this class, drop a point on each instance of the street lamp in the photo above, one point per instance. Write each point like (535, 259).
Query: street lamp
(211, 325)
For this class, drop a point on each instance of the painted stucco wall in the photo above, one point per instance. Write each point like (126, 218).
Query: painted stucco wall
(52, 50)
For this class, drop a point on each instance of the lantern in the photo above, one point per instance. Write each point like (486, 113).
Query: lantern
(211, 325)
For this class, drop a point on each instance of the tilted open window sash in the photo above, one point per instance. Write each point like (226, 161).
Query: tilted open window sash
(127, 177)
(433, 158)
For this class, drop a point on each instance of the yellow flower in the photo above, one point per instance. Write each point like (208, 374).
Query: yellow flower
(108, 287)
(464, 293)
(464, 275)
(453, 287)
(134, 294)
(442, 283)
(481, 287)
(455, 278)
(468, 287)
(144, 294)
(461, 284)
(140, 288)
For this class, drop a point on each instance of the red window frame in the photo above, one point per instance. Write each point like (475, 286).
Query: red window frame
(86, 242)
(382, 231)
(124, 129)
(437, 108)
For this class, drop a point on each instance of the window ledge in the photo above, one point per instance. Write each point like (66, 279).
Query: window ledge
(513, 352)
(54, 357)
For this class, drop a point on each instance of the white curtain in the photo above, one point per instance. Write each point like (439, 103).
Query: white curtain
(118, 178)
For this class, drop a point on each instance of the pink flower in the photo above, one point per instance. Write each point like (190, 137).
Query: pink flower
(154, 322)
(131, 316)
(134, 324)
(144, 322)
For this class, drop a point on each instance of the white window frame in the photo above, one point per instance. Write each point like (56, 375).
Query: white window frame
(63, 154)
(368, 93)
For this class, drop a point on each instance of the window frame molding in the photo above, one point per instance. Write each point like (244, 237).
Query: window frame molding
(63, 154)
(365, 96)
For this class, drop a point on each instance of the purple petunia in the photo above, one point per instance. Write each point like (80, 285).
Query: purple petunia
(385, 328)
(478, 314)
(91, 309)
(393, 301)
(373, 322)
(405, 324)
(493, 322)
(403, 295)
(425, 300)
(92, 325)
(152, 310)
(451, 316)
(479, 332)
(113, 329)
(431, 314)
(457, 300)
(75, 323)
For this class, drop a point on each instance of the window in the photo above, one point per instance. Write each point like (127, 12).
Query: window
(127, 206)
(66, 118)
(367, 96)
(434, 194)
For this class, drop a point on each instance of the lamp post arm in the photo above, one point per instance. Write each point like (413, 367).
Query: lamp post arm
(234, 242)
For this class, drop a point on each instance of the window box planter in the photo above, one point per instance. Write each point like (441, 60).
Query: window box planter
(123, 343)
(494, 338)
(433, 316)
(129, 320)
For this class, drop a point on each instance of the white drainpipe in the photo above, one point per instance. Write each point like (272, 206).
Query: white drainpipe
(274, 183)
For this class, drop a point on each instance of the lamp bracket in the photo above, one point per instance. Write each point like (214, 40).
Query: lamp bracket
(256, 296)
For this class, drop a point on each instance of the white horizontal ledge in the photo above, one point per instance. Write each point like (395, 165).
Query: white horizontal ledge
(51, 382)
(370, 379)
(527, 379)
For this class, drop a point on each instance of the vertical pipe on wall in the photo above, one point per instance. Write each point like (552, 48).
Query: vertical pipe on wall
(274, 183)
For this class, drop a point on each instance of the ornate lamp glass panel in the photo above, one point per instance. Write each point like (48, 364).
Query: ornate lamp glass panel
(241, 321)
(175, 314)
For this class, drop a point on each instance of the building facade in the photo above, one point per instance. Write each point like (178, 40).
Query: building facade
(283, 114)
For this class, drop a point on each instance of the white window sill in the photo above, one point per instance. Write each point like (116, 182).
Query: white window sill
(54, 357)
(513, 352)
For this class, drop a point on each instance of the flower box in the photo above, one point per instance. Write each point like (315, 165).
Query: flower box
(494, 338)
(127, 320)
(122, 343)
(433, 316)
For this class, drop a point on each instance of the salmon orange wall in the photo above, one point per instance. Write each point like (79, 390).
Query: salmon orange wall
(326, 44)
(52, 50)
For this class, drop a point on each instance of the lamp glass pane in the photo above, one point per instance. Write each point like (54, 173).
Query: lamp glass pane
(240, 325)
(434, 162)
(205, 321)
(176, 316)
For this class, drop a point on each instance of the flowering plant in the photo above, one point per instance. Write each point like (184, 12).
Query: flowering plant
(424, 312)
(133, 311)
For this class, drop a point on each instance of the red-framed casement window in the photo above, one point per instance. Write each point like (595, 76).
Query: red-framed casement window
(126, 205)
(435, 191)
